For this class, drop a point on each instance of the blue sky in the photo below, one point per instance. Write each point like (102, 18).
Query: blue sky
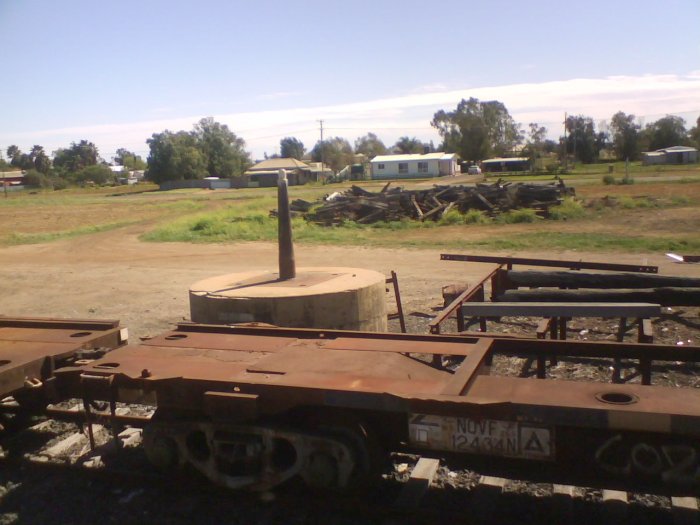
(114, 72)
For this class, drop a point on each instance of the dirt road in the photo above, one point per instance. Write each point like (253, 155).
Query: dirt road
(114, 275)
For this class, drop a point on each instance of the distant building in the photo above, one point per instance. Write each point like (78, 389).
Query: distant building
(671, 155)
(413, 166)
(504, 164)
(265, 173)
(11, 180)
(208, 183)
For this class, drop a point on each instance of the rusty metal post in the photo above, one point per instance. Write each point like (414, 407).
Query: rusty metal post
(287, 265)
(397, 296)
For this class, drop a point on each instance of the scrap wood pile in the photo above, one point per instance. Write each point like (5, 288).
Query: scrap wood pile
(394, 204)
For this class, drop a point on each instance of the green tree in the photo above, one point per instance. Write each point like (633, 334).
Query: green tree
(370, 145)
(224, 152)
(583, 142)
(96, 173)
(694, 134)
(13, 155)
(407, 145)
(19, 160)
(625, 136)
(665, 132)
(336, 153)
(40, 160)
(129, 159)
(80, 155)
(537, 134)
(175, 156)
(477, 130)
(37, 179)
(536, 140)
(292, 148)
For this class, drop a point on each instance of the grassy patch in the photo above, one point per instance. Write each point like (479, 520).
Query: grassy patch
(451, 217)
(559, 241)
(523, 215)
(633, 203)
(567, 210)
(477, 217)
(182, 206)
(36, 238)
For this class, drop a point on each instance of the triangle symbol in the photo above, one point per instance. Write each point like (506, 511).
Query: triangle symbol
(534, 444)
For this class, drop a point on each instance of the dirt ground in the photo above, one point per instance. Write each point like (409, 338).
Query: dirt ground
(112, 275)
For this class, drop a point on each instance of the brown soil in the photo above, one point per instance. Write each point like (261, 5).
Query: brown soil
(114, 275)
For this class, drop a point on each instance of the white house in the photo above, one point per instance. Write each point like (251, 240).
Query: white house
(414, 166)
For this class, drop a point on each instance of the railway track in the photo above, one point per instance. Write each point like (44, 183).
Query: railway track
(413, 489)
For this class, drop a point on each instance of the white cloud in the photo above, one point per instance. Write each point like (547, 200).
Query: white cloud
(648, 96)
(277, 95)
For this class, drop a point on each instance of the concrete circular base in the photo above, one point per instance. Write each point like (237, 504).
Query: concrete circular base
(332, 298)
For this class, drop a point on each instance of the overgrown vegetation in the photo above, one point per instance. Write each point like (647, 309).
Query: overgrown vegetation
(523, 215)
(569, 209)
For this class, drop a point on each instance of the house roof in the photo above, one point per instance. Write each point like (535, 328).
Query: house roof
(505, 159)
(279, 164)
(416, 156)
(11, 174)
(677, 149)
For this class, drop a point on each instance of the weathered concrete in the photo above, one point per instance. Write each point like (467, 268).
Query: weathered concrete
(325, 297)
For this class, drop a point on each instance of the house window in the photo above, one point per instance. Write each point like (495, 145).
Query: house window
(403, 167)
(422, 167)
(380, 166)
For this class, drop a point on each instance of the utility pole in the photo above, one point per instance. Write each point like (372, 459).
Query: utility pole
(566, 147)
(321, 123)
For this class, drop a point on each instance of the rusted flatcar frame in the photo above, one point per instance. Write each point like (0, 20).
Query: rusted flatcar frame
(572, 265)
(32, 347)
(501, 344)
(473, 293)
(188, 371)
(499, 284)
(539, 349)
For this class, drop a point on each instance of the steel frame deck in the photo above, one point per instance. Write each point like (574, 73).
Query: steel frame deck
(31, 348)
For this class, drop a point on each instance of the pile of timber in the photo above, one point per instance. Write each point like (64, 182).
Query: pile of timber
(393, 204)
(598, 287)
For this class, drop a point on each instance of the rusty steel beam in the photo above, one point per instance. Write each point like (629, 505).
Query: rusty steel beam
(472, 293)
(394, 281)
(572, 265)
(270, 339)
